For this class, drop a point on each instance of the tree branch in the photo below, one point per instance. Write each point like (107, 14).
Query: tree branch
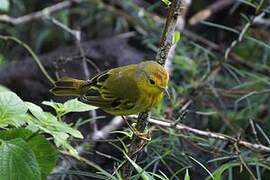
(219, 136)
(210, 10)
(167, 35)
(165, 45)
(245, 29)
(39, 14)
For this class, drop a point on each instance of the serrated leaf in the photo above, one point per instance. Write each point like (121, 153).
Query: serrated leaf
(37, 111)
(11, 104)
(176, 37)
(17, 161)
(48, 123)
(44, 152)
(74, 105)
(4, 5)
(12, 109)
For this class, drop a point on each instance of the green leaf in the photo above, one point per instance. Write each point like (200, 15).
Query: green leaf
(187, 177)
(12, 109)
(3, 88)
(58, 107)
(217, 174)
(176, 37)
(48, 123)
(37, 111)
(17, 161)
(126, 133)
(4, 5)
(144, 175)
(221, 169)
(74, 105)
(44, 152)
(167, 2)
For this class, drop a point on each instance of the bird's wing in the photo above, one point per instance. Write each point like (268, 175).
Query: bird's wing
(97, 81)
(101, 94)
(93, 97)
(94, 87)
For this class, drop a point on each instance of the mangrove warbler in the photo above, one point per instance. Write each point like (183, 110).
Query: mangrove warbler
(120, 91)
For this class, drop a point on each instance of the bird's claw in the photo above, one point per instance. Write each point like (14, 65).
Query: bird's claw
(143, 135)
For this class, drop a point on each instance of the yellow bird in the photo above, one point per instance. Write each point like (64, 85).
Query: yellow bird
(120, 91)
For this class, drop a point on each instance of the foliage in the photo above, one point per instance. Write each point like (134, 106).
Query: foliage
(42, 152)
(5, 5)
(229, 94)
(25, 150)
(17, 157)
(12, 110)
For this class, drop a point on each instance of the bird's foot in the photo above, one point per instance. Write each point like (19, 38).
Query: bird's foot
(142, 135)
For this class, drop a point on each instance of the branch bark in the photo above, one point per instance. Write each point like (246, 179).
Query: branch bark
(165, 45)
(219, 136)
(167, 35)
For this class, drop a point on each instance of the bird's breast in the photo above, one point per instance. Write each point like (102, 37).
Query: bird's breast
(150, 99)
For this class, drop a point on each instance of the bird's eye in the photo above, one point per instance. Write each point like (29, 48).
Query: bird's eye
(152, 81)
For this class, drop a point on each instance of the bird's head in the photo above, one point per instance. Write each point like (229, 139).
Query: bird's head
(153, 77)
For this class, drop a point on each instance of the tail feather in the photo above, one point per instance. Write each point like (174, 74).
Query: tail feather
(67, 86)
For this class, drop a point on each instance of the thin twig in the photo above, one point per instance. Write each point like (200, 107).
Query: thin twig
(260, 21)
(77, 36)
(103, 133)
(219, 136)
(234, 58)
(245, 29)
(35, 57)
(243, 161)
(73, 32)
(39, 14)
(136, 144)
(210, 10)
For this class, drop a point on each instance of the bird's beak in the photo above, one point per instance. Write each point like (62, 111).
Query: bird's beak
(166, 92)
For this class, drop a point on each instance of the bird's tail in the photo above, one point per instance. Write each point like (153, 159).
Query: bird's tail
(67, 86)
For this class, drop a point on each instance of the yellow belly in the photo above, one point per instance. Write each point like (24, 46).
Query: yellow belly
(143, 104)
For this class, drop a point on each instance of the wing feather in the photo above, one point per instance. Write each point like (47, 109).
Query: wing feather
(102, 94)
